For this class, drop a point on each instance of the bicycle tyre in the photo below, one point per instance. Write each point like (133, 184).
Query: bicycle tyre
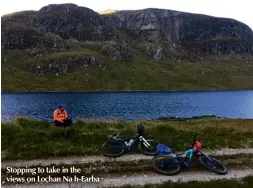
(203, 163)
(163, 172)
(146, 151)
(117, 146)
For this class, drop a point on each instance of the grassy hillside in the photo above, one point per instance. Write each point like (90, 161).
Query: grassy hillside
(44, 51)
(25, 138)
(104, 74)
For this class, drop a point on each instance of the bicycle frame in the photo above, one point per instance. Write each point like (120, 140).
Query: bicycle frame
(133, 144)
(183, 160)
(189, 153)
(137, 139)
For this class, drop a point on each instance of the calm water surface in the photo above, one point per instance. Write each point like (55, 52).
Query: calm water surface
(129, 105)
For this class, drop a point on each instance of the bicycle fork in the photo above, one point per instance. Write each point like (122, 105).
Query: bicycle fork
(146, 144)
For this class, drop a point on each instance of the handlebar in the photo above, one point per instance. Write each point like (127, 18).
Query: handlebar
(140, 130)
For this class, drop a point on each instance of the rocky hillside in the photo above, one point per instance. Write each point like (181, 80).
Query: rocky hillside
(65, 38)
(68, 21)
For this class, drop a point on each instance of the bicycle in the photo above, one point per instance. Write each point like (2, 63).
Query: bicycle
(172, 163)
(119, 146)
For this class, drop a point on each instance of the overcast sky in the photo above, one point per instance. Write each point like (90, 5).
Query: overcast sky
(237, 9)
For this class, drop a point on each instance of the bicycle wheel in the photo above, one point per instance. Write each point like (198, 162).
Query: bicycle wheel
(148, 150)
(213, 164)
(113, 148)
(166, 165)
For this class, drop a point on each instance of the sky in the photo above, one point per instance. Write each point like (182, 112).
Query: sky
(240, 10)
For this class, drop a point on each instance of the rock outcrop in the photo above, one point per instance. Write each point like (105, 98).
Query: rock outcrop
(212, 33)
(68, 23)
(63, 66)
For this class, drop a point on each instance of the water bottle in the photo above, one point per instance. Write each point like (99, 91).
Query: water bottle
(130, 142)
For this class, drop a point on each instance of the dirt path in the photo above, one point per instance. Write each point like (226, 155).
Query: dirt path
(142, 179)
(90, 159)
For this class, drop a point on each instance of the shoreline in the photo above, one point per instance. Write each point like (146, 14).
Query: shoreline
(122, 91)
(161, 119)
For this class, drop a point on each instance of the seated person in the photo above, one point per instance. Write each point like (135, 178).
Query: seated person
(61, 117)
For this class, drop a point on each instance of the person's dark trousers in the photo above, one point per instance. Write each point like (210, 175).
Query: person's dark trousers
(65, 123)
(58, 123)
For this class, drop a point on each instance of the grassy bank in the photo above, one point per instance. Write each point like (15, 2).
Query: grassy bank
(27, 139)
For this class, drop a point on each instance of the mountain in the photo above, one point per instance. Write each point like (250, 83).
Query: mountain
(149, 49)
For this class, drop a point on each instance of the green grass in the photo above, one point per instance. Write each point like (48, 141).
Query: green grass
(246, 182)
(140, 74)
(27, 139)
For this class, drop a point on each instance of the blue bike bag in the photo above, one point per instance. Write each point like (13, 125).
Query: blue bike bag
(163, 149)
